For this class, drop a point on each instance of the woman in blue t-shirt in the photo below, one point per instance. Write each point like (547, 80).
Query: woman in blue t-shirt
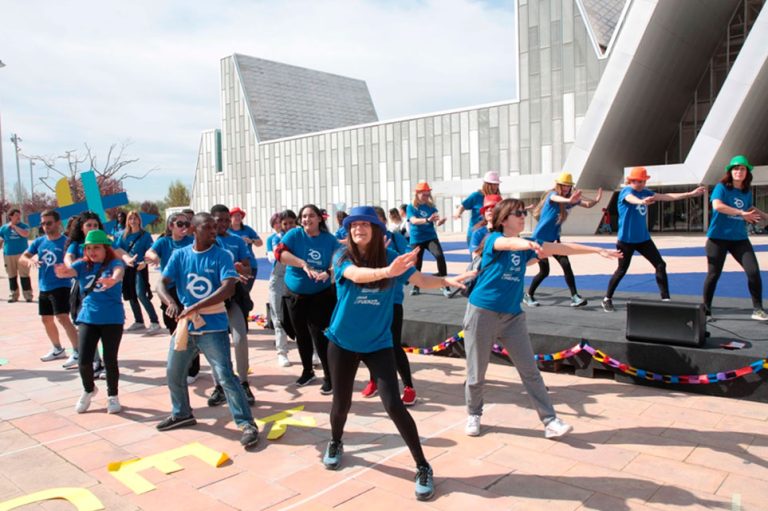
(367, 277)
(135, 241)
(423, 217)
(633, 234)
(480, 230)
(494, 314)
(732, 210)
(101, 315)
(307, 252)
(552, 212)
(474, 202)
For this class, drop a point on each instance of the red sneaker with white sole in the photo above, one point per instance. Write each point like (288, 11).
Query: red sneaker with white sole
(370, 389)
(409, 396)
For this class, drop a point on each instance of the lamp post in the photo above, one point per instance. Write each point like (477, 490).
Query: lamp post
(2, 173)
(16, 139)
(31, 178)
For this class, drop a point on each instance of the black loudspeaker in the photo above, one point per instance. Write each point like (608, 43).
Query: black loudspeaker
(683, 324)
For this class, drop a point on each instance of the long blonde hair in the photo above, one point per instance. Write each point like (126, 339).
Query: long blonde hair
(558, 189)
(416, 202)
(128, 227)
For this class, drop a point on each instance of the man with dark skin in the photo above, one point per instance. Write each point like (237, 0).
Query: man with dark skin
(205, 277)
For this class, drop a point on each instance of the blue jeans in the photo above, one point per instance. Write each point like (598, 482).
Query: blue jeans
(215, 347)
(142, 295)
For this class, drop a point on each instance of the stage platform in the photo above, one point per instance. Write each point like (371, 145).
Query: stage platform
(431, 318)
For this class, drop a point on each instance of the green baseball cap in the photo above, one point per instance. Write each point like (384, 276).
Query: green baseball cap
(739, 159)
(97, 237)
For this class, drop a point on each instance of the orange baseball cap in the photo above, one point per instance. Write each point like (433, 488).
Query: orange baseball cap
(638, 174)
(423, 186)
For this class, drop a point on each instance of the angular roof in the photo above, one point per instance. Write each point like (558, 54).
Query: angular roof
(603, 17)
(287, 100)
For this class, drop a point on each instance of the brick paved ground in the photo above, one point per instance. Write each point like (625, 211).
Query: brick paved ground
(632, 448)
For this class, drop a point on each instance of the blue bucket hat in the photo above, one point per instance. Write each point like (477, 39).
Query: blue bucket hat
(363, 214)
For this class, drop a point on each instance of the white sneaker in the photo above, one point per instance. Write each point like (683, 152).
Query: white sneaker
(154, 329)
(54, 354)
(192, 379)
(135, 327)
(759, 315)
(473, 426)
(557, 428)
(316, 360)
(283, 361)
(71, 362)
(113, 405)
(85, 400)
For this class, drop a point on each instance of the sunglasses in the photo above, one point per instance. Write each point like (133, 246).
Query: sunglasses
(519, 213)
(183, 225)
(46, 224)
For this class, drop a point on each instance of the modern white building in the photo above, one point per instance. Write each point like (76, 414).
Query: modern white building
(678, 86)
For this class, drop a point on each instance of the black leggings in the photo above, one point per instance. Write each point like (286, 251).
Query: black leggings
(544, 273)
(648, 250)
(401, 358)
(171, 323)
(436, 250)
(742, 251)
(344, 367)
(310, 315)
(88, 336)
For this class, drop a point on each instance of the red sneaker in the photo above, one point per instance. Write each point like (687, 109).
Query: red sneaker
(370, 389)
(409, 396)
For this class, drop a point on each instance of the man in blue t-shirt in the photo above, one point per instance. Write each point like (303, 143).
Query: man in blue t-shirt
(45, 253)
(205, 277)
(14, 239)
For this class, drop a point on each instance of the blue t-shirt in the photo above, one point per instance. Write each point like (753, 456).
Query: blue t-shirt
(548, 229)
(100, 306)
(633, 223)
(49, 253)
(423, 232)
(76, 249)
(235, 246)
(729, 227)
(136, 243)
(399, 244)
(13, 244)
(247, 232)
(316, 251)
(473, 203)
(272, 241)
(198, 275)
(341, 234)
(362, 319)
(500, 284)
(166, 245)
(477, 237)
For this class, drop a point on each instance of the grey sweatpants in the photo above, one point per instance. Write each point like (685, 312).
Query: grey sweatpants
(239, 333)
(482, 328)
(276, 292)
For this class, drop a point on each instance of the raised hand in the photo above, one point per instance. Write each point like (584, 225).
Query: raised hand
(401, 263)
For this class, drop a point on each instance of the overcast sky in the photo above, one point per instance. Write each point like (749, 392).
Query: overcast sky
(147, 72)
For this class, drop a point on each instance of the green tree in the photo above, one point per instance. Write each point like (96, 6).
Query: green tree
(178, 195)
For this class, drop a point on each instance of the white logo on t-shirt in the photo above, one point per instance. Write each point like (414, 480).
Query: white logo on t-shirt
(423, 214)
(48, 258)
(515, 259)
(314, 254)
(642, 209)
(738, 203)
(199, 286)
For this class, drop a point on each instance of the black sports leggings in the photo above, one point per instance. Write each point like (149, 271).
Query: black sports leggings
(648, 250)
(544, 273)
(344, 367)
(401, 358)
(310, 315)
(170, 324)
(436, 250)
(88, 336)
(742, 251)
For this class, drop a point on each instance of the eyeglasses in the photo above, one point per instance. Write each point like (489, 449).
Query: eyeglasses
(519, 213)
(183, 225)
(46, 224)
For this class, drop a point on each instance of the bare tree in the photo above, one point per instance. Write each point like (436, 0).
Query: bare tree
(109, 176)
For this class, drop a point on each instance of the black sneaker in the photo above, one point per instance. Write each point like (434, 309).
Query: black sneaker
(305, 379)
(327, 388)
(332, 456)
(248, 393)
(175, 422)
(608, 305)
(217, 397)
(250, 435)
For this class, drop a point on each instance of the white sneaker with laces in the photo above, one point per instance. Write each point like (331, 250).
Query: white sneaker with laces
(113, 405)
(85, 400)
(529, 300)
(154, 329)
(759, 315)
(54, 354)
(473, 426)
(557, 428)
(71, 362)
(135, 327)
(283, 361)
